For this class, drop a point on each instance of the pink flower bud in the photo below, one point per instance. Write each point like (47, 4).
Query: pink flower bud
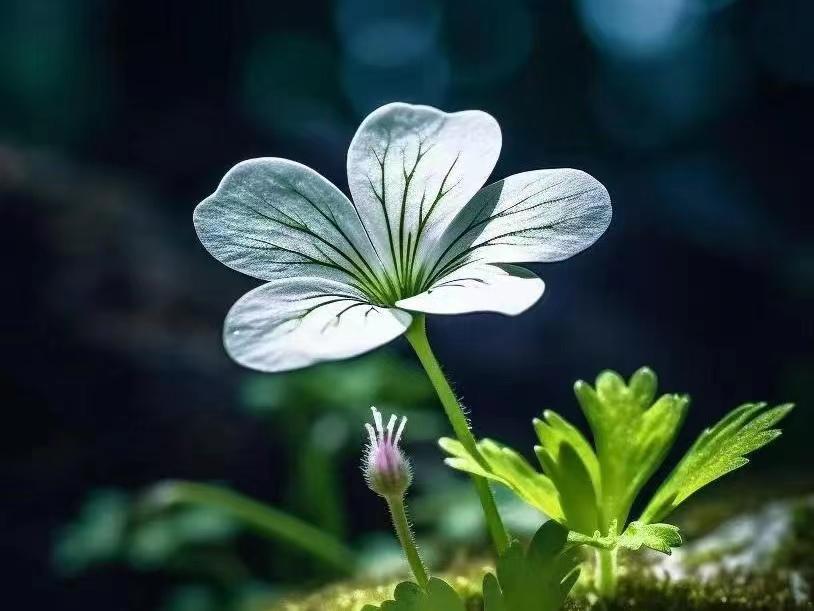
(387, 470)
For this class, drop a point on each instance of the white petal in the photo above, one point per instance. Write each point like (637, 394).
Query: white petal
(274, 218)
(294, 323)
(507, 289)
(412, 168)
(539, 216)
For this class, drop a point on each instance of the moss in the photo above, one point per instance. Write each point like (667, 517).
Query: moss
(731, 592)
(735, 592)
(798, 552)
(466, 578)
(780, 587)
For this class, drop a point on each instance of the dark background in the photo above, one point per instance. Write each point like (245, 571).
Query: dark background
(116, 118)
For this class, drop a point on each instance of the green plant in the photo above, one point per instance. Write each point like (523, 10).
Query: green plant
(534, 578)
(438, 595)
(590, 489)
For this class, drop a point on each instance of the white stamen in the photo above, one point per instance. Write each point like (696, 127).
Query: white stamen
(372, 434)
(390, 426)
(400, 430)
(377, 418)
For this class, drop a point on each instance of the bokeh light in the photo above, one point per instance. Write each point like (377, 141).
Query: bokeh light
(637, 28)
(648, 102)
(388, 35)
(425, 81)
(391, 53)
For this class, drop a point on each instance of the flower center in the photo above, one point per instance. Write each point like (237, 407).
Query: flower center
(414, 275)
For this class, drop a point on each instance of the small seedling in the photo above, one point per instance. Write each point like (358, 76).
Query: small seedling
(590, 489)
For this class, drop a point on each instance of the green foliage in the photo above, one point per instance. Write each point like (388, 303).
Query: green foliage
(537, 579)
(572, 466)
(717, 451)
(632, 434)
(264, 519)
(591, 490)
(660, 537)
(96, 535)
(505, 466)
(111, 528)
(439, 596)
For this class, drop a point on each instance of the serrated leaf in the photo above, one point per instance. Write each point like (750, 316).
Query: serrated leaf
(537, 579)
(660, 537)
(569, 461)
(503, 465)
(718, 451)
(409, 596)
(632, 434)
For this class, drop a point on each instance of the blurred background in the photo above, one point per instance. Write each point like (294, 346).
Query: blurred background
(117, 117)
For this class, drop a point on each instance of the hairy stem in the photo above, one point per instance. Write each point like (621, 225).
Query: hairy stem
(405, 534)
(417, 336)
(263, 518)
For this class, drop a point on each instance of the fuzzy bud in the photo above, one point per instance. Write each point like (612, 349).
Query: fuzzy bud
(387, 470)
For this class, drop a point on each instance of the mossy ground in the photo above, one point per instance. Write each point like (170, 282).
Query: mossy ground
(783, 586)
(734, 592)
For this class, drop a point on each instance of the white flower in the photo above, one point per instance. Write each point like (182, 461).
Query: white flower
(419, 235)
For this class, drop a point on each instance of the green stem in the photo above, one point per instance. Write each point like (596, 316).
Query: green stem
(264, 519)
(396, 506)
(417, 336)
(606, 572)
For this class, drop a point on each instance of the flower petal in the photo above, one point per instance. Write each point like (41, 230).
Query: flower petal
(274, 218)
(412, 168)
(507, 289)
(539, 216)
(293, 323)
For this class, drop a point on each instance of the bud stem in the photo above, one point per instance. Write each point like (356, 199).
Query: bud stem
(417, 336)
(397, 511)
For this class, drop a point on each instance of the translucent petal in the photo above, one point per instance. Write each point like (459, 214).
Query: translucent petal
(507, 289)
(538, 216)
(294, 323)
(411, 169)
(274, 218)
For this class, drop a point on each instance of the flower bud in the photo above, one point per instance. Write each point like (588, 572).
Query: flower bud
(387, 470)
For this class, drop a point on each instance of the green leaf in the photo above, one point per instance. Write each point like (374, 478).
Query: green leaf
(503, 465)
(538, 579)
(569, 461)
(264, 519)
(660, 537)
(98, 535)
(719, 450)
(632, 434)
(439, 596)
